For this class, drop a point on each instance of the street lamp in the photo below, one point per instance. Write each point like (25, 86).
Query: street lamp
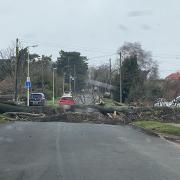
(53, 83)
(120, 77)
(28, 76)
(64, 73)
(63, 80)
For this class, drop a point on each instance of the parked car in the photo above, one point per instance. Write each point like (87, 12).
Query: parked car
(161, 102)
(67, 100)
(176, 102)
(37, 99)
(67, 93)
(164, 103)
(107, 95)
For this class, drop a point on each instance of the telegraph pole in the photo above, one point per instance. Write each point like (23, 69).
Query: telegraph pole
(74, 78)
(16, 70)
(42, 73)
(69, 75)
(110, 74)
(28, 78)
(110, 71)
(63, 81)
(53, 84)
(28, 81)
(120, 78)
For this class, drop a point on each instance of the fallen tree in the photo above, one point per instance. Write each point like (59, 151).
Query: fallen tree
(32, 109)
(80, 113)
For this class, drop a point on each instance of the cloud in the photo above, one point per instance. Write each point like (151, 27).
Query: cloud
(29, 35)
(138, 13)
(145, 27)
(122, 27)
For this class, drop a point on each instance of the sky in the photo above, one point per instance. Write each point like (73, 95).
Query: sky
(96, 28)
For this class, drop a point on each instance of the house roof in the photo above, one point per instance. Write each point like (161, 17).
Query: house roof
(174, 76)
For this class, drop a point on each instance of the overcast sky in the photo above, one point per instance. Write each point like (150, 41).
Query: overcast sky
(95, 27)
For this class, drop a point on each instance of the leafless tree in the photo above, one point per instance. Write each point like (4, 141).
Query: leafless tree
(7, 62)
(144, 58)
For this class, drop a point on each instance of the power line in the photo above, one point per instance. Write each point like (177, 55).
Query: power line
(58, 45)
(98, 57)
(168, 54)
(51, 44)
(167, 57)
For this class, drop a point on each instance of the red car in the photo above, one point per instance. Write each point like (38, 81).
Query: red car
(67, 101)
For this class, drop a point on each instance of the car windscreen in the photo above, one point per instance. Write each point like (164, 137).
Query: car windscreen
(66, 98)
(38, 96)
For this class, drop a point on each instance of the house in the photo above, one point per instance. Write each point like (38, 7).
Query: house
(174, 76)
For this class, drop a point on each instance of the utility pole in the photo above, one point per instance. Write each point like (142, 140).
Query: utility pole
(42, 73)
(74, 78)
(69, 75)
(110, 73)
(63, 81)
(120, 78)
(53, 84)
(70, 83)
(28, 78)
(16, 70)
(28, 81)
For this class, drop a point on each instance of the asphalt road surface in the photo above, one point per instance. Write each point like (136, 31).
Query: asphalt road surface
(55, 151)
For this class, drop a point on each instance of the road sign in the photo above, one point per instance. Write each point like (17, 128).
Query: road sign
(27, 84)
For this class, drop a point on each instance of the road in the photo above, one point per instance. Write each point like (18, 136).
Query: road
(55, 151)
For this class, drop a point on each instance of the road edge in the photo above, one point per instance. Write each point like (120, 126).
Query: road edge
(166, 137)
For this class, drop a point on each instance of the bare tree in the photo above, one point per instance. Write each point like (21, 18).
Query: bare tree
(7, 62)
(8, 52)
(144, 58)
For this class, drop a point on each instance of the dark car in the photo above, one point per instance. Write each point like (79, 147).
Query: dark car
(37, 99)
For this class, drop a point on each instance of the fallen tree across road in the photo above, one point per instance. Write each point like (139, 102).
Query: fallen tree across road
(123, 114)
(32, 109)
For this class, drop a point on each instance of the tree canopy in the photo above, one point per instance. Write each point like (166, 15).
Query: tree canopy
(73, 65)
(144, 58)
(138, 67)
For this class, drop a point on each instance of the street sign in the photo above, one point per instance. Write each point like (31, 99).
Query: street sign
(27, 84)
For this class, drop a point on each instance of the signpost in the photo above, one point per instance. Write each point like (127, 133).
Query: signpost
(28, 82)
(27, 86)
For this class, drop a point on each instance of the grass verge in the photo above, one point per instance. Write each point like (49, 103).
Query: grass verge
(110, 102)
(2, 119)
(159, 127)
(50, 103)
